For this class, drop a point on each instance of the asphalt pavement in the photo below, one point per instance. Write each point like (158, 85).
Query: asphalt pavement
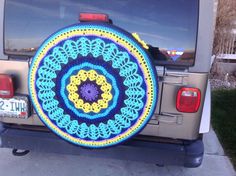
(215, 163)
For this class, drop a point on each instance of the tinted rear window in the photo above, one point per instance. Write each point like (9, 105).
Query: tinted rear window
(169, 27)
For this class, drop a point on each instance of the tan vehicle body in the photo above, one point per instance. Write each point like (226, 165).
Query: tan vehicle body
(167, 123)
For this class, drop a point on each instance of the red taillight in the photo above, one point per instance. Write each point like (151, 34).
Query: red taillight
(6, 86)
(188, 99)
(93, 17)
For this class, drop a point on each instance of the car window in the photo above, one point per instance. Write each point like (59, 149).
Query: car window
(168, 27)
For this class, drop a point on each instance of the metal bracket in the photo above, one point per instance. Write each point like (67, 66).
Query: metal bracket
(170, 118)
(174, 79)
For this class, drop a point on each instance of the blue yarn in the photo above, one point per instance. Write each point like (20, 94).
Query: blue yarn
(128, 70)
(72, 49)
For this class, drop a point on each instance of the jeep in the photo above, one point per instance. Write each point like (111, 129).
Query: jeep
(127, 79)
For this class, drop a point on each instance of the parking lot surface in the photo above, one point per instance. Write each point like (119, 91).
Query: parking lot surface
(215, 163)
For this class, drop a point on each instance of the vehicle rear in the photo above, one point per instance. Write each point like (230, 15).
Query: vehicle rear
(179, 39)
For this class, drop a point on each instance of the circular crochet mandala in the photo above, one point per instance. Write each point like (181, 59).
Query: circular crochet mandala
(93, 85)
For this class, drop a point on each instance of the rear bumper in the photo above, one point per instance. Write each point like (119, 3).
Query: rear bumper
(188, 155)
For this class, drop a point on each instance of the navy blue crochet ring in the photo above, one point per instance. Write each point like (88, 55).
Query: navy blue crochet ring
(93, 84)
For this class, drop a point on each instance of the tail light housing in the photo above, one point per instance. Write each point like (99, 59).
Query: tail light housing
(6, 86)
(188, 99)
(83, 17)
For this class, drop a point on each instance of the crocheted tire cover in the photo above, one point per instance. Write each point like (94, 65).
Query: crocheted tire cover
(93, 84)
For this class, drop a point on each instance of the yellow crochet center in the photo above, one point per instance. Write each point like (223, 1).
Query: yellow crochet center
(100, 80)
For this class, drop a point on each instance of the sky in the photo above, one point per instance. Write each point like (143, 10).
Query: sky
(161, 23)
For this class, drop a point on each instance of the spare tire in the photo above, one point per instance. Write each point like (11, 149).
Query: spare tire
(93, 84)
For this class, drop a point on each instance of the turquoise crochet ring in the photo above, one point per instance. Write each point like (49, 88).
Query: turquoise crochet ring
(93, 84)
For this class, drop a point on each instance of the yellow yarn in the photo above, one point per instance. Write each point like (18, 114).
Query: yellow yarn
(136, 36)
(92, 75)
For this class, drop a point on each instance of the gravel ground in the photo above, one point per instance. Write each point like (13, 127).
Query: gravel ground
(227, 82)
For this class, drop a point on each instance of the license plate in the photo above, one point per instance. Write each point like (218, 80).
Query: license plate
(16, 107)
